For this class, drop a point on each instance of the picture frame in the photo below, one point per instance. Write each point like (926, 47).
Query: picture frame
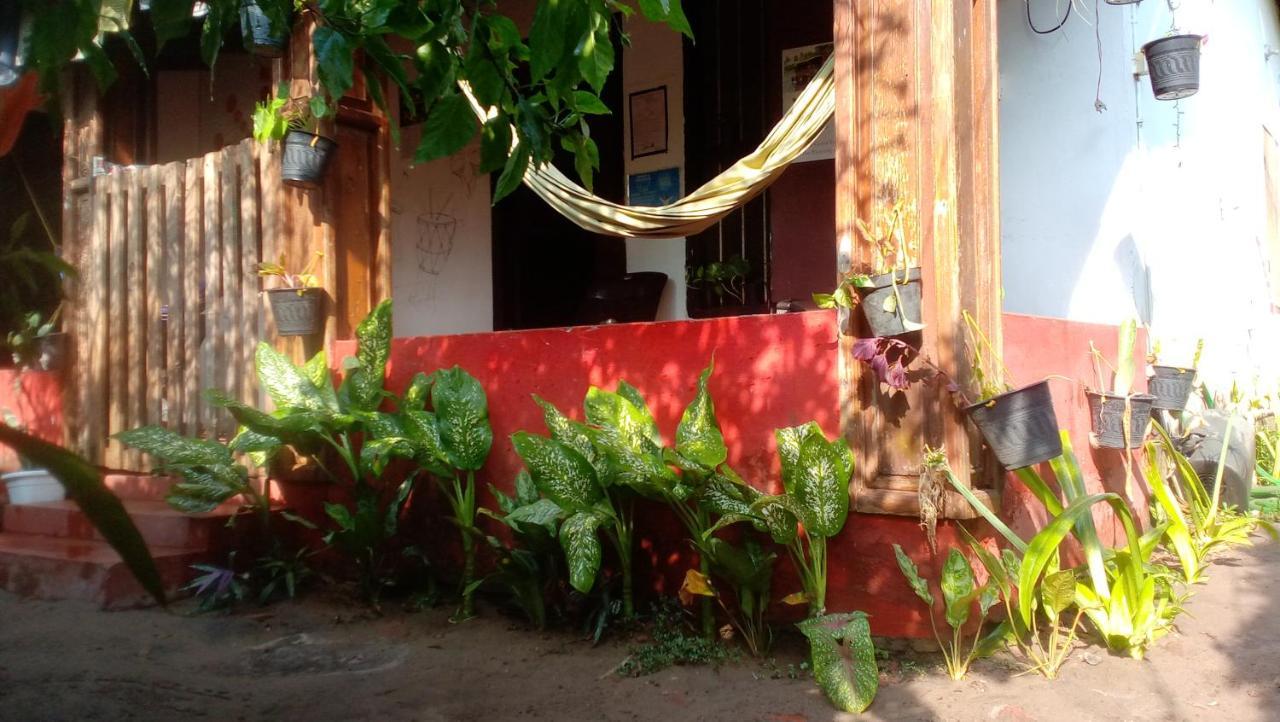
(648, 114)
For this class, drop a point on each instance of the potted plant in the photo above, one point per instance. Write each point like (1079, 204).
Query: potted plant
(295, 121)
(37, 345)
(722, 283)
(1171, 385)
(1119, 416)
(30, 484)
(260, 36)
(890, 295)
(1020, 424)
(1173, 63)
(296, 304)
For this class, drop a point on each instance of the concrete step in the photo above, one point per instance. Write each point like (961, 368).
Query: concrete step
(48, 567)
(139, 486)
(159, 524)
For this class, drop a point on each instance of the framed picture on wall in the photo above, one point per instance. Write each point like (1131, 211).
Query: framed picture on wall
(648, 110)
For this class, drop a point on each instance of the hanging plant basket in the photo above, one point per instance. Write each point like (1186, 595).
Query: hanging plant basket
(1020, 426)
(1171, 387)
(1174, 66)
(889, 313)
(297, 310)
(255, 29)
(306, 155)
(1107, 413)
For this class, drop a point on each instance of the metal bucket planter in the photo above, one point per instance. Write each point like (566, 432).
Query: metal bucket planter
(256, 30)
(1171, 386)
(1020, 426)
(305, 157)
(297, 310)
(886, 311)
(1107, 412)
(1174, 66)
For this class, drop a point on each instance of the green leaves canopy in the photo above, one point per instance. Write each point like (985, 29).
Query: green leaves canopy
(543, 87)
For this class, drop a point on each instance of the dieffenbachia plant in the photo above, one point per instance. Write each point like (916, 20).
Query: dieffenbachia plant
(959, 591)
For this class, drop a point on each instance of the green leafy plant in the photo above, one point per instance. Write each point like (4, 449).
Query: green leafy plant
(529, 569)
(540, 91)
(30, 276)
(1122, 372)
(987, 372)
(959, 591)
(724, 278)
(25, 342)
(306, 278)
(815, 480)
(672, 643)
(892, 254)
(844, 659)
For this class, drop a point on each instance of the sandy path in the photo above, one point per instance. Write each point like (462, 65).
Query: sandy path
(322, 660)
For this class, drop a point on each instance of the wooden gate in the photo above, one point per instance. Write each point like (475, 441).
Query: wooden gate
(168, 295)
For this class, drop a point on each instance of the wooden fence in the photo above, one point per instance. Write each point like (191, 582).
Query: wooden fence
(168, 295)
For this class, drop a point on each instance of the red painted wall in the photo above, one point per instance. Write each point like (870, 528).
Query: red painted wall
(34, 398)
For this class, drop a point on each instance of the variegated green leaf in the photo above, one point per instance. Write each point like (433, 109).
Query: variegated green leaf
(957, 588)
(462, 413)
(559, 472)
(629, 424)
(526, 490)
(721, 495)
(543, 512)
(582, 549)
(698, 435)
(574, 434)
(316, 369)
(415, 397)
(821, 486)
(789, 442)
(286, 384)
(373, 349)
(912, 573)
(169, 447)
(422, 431)
(844, 659)
(633, 395)
(780, 515)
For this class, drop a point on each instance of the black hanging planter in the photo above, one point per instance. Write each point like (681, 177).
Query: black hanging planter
(1174, 66)
(255, 29)
(305, 157)
(885, 310)
(1171, 387)
(296, 310)
(1020, 426)
(1107, 412)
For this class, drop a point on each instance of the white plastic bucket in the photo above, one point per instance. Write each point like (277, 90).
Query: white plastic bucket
(33, 486)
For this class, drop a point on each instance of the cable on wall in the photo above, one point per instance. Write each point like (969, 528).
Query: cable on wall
(1031, 24)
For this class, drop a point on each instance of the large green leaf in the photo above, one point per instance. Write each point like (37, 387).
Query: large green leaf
(289, 425)
(373, 349)
(582, 548)
(449, 128)
(721, 495)
(780, 515)
(204, 488)
(559, 472)
(698, 435)
(789, 441)
(629, 423)
(643, 415)
(171, 448)
(1058, 592)
(844, 659)
(317, 370)
(1178, 532)
(462, 413)
(909, 570)
(543, 512)
(334, 60)
(957, 588)
(99, 505)
(286, 384)
(423, 432)
(821, 486)
(573, 434)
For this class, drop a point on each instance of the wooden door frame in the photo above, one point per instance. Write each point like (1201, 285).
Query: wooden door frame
(936, 145)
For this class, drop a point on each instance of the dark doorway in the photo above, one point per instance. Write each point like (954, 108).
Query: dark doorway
(543, 264)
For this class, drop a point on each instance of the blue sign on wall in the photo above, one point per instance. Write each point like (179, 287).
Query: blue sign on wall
(655, 188)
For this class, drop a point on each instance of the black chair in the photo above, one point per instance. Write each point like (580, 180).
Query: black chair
(629, 298)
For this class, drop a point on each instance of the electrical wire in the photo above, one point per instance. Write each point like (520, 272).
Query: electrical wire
(1055, 28)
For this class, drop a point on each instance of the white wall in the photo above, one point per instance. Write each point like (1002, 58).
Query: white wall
(441, 246)
(656, 57)
(1148, 208)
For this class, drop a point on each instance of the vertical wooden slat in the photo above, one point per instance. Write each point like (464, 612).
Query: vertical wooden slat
(116, 317)
(193, 320)
(157, 263)
(210, 345)
(176, 269)
(251, 308)
(231, 304)
(95, 279)
(135, 367)
(268, 160)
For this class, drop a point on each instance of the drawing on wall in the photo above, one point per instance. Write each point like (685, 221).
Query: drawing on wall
(799, 66)
(436, 230)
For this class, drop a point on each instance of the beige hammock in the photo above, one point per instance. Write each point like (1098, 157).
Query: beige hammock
(792, 136)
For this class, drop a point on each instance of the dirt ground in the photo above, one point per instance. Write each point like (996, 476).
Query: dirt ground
(320, 659)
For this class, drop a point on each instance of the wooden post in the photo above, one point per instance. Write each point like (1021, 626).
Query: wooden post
(915, 122)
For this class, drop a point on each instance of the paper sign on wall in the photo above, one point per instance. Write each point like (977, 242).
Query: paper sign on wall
(655, 188)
